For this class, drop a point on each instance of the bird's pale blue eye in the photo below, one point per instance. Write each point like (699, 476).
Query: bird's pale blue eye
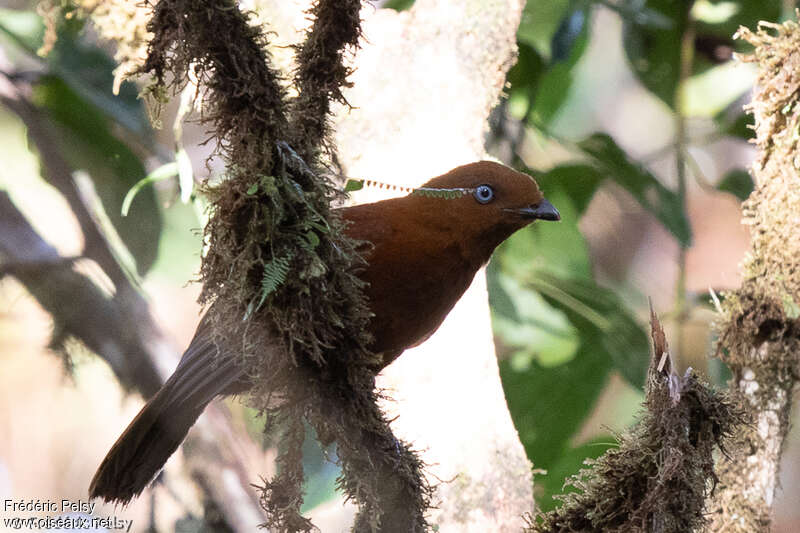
(484, 194)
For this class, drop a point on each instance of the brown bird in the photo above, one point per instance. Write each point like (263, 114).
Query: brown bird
(427, 248)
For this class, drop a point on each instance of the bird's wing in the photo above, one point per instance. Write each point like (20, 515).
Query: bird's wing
(366, 223)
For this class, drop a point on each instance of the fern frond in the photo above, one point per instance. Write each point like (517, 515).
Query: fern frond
(275, 273)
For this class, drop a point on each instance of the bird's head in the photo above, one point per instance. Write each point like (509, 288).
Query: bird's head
(484, 202)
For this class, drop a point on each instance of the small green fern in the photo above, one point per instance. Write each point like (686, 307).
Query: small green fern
(275, 273)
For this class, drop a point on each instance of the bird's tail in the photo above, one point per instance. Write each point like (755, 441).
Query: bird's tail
(144, 447)
(162, 424)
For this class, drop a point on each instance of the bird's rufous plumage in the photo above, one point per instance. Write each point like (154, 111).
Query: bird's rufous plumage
(426, 249)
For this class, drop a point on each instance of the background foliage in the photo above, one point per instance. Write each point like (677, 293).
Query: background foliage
(566, 323)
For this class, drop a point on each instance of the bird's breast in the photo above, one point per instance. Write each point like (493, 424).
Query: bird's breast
(412, 293)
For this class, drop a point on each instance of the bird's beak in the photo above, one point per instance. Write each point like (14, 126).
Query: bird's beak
(543, 211)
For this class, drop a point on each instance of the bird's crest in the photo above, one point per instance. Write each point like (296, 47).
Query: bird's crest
(354, 184)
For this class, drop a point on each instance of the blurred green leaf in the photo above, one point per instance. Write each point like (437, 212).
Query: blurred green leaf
(540, 21)
(524, 79)
(398, 5)
(320, 469)
(554, 247)
(77, 94)
(611, 161)
(553, 87)
(737, 182)
(572, 27)
(634, 12)
(528, 325)
(185, 175)
(599, 313)
(89, 72)
(352, 185)
(708, 93)
(654, 51)
(86, 68)
(735, 123)
(551, 93)
(88, 144)
(719, 373)
(553, 260)
(570, 462)
(161, 173)
(722, 19)
(548, 405)
(579, 183)
(25, 28)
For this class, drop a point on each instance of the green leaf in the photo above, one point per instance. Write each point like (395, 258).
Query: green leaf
(312, 238)
(252, 189)
(735, 122)
(528, 325)
(540, 21)
(398, 5)
(274, 275)
(654, 51)
(554, 86)
(579, 183)
(85, 68)
(87, 142)
(572, 27)
(76, 94)
(353, 185)
(161, 173)
(523, 79)
(548, 405)
(707, 93)
(711, 20)
(637, 13)
(611, 161)
(570, 462)
(599, 312)
(25, 28)
(89, 72)
(553, 260)
(554, 247)
(737, 182)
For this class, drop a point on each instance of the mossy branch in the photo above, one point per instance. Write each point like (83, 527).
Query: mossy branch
(279, 276)
(759, 330)
(321, 72)
(659, 476)
(244, 100)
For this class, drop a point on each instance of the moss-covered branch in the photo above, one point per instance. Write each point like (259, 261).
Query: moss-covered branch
(760, 328)
(279, 275)
(321, 72)
(658, 478)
